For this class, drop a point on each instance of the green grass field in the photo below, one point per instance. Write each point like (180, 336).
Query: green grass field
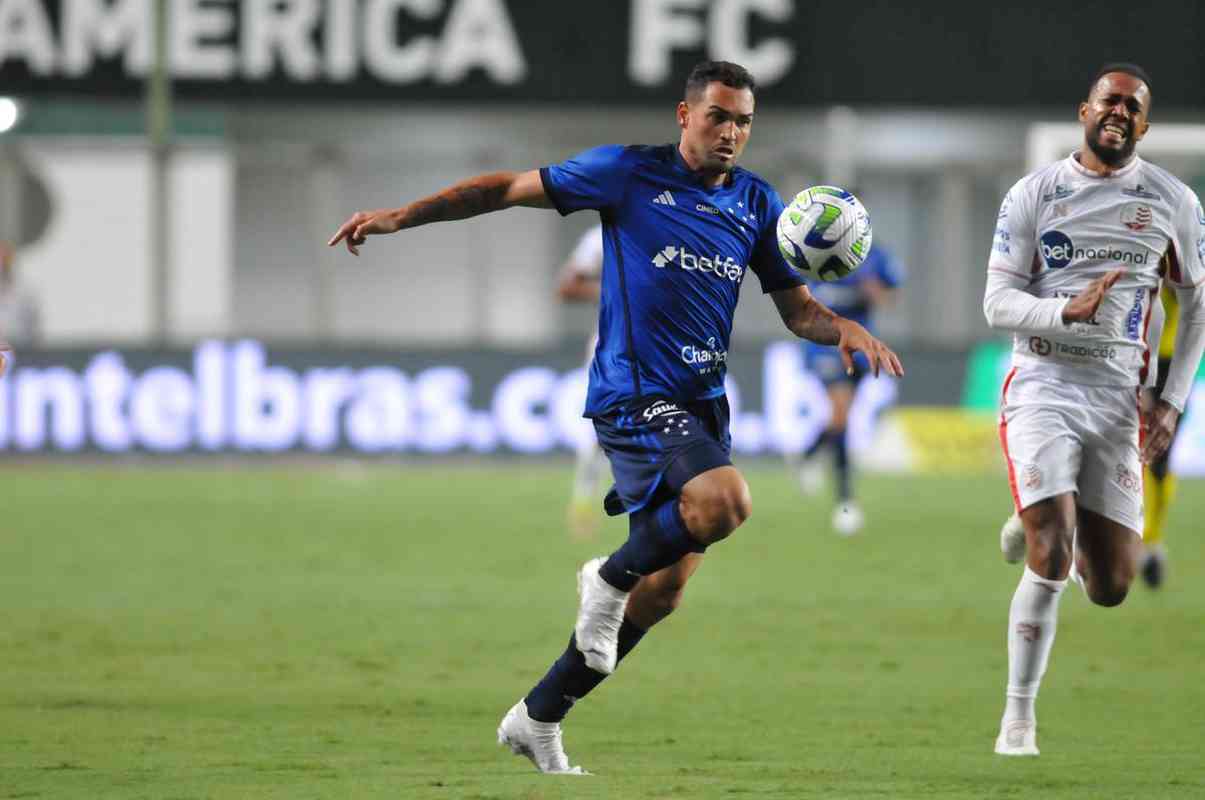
(312, 633)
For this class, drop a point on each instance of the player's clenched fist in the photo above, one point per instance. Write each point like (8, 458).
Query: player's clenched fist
(1084, 305)
(364, 224)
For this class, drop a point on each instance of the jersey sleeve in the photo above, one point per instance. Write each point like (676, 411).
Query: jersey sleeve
(1186, 267)
(1016, 232)
(593, 179)
(587, 256)
(768, 262)
(1006, 303)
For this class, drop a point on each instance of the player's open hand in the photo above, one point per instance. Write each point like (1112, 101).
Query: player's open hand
(854, 339)
(363, 224)
(1159, 425)
(1084, 305)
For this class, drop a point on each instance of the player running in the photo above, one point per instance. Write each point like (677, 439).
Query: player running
(683, 226)
(855, 297)
(581, 282)
(1074, 270)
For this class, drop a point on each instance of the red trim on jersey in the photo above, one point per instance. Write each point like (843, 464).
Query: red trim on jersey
(1146, 327)
(1012, 474)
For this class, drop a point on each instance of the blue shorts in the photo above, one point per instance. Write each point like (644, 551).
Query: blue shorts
(656, 445)
(825, 363)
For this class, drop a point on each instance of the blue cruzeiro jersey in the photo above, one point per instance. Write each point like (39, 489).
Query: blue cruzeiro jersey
(674, 255)
(845, 296)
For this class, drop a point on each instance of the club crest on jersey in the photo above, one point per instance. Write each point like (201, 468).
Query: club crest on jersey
(1136, 216)
(1142, 192)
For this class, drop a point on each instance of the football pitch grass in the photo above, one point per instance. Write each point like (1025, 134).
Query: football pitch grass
(265, 632)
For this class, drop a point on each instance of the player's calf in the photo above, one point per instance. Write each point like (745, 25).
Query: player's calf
(659, 595)
(715, 504)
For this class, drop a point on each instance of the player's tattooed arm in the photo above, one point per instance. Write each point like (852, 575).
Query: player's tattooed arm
(808, 318)
(468, 198)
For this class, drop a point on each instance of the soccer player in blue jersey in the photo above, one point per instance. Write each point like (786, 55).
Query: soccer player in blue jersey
(854, 297)
(683, 226)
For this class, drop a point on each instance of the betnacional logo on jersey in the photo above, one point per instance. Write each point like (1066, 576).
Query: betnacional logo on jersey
(718, 265)
(1136, 216)
(1058, 251)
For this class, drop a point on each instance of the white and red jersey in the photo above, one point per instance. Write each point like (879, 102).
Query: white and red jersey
(1062, 227)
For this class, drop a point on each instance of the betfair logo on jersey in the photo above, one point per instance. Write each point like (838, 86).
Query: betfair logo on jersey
(1058, 251)
(689, 262)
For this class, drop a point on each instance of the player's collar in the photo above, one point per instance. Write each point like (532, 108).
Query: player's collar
(1087, 173)
(681, 163)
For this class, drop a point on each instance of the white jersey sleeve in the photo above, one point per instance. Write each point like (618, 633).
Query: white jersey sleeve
(1186, 271)
(1006, 304)
(1154, 333)
(587, 256)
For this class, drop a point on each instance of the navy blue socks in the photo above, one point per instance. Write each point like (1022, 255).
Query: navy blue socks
(841, 466)
(569, 679)
(657, 538)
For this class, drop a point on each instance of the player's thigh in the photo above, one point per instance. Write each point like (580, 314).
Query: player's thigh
(1043, 452)
(1110, 552)
(1110, 480)
(1049, 528)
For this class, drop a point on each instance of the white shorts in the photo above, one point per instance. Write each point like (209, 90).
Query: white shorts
(1063, 437)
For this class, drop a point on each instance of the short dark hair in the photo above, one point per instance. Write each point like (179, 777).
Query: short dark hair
(1122, 66)
(732, 75)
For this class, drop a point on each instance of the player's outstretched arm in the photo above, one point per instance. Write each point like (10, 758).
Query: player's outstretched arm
(469, 198)
(808, 318)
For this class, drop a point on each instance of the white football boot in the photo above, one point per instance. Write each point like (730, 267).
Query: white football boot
(848, 518)
(1018, 738)
(1012, 539)
(598, 618)
(539, 741)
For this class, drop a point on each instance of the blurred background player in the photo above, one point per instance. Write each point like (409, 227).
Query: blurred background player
(1074, 272)
(1159, 484)
(581, 282)
(856, 296)
(20, 322)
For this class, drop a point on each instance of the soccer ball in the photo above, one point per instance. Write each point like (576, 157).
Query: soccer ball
(824, 233)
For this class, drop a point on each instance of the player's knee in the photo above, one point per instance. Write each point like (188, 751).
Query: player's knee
(1111, 588)
(716, 513)
(1050, 550)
